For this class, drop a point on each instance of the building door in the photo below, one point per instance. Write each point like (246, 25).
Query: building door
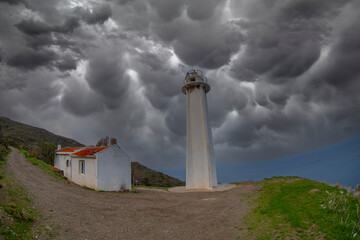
(67, 172)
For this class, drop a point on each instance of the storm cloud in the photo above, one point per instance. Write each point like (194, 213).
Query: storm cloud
(284, 74)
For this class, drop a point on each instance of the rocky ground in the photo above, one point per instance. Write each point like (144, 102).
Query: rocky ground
(73, 212)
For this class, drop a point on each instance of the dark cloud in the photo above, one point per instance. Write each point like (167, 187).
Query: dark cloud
(207, 48)
(14, 2)
(32, 27)
(342, 67)
(97, 15)
(249, 134)
(152, 60)
(166, 10)
(200, 10)
(220, 101)
(276, 53)
(2, 57)
(80, 101)
(30, 59)
(105, 75)
(279, 98)
(307, 9)
(123, 2)
(287, 42)
(66, 63)
(175, 118)
(284, 74)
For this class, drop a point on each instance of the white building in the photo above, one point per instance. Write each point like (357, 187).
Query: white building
(200, 163)
(101, 168)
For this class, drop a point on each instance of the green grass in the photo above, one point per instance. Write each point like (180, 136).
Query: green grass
(150, 187)
(18, 217)
(121, 192)
(101, 191)
(17, 212)
(48, 169)
(296, 208)
(87, 188)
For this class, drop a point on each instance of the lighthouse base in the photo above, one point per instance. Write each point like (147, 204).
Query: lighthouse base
(218, 188)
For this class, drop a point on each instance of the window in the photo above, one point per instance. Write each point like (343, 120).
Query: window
(68, 163)
(82, 167)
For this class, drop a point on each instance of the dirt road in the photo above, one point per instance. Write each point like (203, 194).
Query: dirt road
(86, 214)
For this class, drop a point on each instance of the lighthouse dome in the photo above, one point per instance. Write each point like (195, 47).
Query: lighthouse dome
(194, 76)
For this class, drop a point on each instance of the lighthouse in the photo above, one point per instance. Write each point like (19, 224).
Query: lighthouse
(200, 163)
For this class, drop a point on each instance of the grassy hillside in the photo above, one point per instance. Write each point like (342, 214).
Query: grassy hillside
(20, 135)
(149, 177)
(297, 208)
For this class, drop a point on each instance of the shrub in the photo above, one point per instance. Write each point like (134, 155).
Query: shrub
(17, 212)
(48, 152)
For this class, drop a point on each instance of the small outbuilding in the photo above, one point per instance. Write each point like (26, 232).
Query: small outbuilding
(101, 168)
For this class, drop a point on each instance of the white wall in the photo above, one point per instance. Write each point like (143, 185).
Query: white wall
(88, 179)
(200, 164)
(60, 161)
(114, 170)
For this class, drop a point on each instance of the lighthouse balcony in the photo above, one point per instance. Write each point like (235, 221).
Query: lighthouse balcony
(194, 78)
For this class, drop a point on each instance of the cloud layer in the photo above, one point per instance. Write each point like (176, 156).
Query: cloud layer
(285, 75)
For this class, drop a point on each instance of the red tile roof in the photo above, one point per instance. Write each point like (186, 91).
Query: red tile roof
(90, 151)
(69, 149)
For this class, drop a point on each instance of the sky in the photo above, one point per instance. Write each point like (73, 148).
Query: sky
(335, 164)
(284, 74)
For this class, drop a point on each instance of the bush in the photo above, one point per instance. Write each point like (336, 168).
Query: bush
(35, 152)
(48, 152)
(17, 212)
(357, 191)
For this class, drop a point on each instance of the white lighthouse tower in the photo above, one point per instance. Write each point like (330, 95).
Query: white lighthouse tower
(200, 163)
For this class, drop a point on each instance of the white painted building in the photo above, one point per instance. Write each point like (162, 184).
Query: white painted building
(62, 160)
(200, 163)
(101, 168)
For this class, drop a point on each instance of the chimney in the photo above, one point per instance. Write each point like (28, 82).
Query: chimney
(59, 147)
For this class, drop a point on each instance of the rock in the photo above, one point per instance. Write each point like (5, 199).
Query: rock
(209, 199)
(314, 190)
(357, 191)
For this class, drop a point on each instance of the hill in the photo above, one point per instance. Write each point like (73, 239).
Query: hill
(299, 208)
(149, 177)
(20, 135)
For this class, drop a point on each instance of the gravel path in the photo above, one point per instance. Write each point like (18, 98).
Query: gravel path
(86, 214)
